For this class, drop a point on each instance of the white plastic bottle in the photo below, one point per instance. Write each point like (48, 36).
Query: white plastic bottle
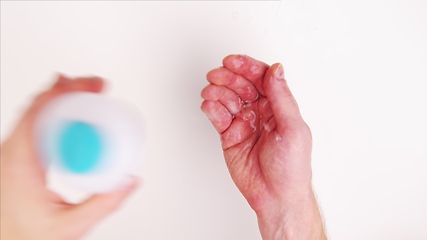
(90, 140)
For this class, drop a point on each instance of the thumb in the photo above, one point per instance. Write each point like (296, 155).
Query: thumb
(283, 103)
(85, 215)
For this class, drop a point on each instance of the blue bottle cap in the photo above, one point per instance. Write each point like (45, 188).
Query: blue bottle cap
(80, 147)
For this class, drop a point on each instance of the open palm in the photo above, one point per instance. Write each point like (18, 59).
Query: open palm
(266, 143)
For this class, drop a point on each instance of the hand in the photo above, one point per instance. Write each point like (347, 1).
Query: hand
(28, 209)
(266, 144)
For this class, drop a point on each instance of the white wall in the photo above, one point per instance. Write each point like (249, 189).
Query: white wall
(357, 68)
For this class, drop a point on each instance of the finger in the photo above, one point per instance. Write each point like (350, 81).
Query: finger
(251, 69)
(97, 207)
(225, 96)
(21, 141)
(65, 85)
(85, 84)
(224, 77)
(61, 86)
(219, 116)
(244, 125)
(283, 103)
(266, 115)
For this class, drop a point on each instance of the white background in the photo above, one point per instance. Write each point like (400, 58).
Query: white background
(357, 68)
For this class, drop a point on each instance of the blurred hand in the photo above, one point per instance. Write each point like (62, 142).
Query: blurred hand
(267, 145)
(28, 209)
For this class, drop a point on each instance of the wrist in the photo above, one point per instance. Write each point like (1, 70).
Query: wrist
(296, 217)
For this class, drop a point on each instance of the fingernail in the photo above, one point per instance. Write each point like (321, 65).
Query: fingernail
(278, 74)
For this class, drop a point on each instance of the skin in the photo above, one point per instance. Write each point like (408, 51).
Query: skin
(28, 209)
(267, 145)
